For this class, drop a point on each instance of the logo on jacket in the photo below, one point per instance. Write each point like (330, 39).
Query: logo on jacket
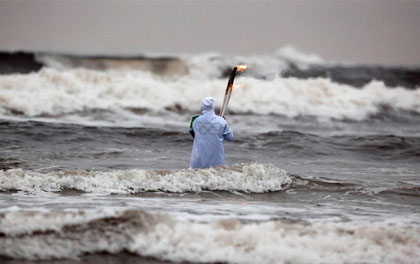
(207, 127)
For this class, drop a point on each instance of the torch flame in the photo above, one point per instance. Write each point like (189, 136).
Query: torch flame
(241, 67)
(238, 85)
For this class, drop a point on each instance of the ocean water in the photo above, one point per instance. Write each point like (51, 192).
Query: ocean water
(94, 157)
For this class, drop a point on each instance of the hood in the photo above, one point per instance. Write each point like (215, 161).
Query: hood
(207, 104)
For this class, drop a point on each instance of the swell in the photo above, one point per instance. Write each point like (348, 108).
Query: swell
(27, 132)
(70, 142)
(298, 144)
(62, 234)
(322, 184)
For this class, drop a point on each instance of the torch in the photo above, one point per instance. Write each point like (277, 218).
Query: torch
(229, 88)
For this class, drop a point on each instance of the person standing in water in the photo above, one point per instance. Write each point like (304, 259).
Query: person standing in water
(209, 132)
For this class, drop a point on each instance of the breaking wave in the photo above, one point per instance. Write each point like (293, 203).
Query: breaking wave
(53, 93)
(36, 235)
(251, 177)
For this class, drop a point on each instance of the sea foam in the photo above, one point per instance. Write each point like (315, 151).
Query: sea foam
(55, 93)
(61, 234)
(252, 177)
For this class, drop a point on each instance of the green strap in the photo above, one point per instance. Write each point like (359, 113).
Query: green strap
(192, 120)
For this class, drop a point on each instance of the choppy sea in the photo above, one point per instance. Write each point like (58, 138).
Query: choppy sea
(94, 157)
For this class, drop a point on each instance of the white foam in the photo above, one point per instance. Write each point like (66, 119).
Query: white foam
(252, 177)
(322, 98)
(17, 222)
(279, 242)
(213, 65)
(56, 93)
(227, 241)
(208, 64)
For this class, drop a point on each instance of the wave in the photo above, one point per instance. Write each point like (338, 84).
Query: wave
(379, 147)
(162, 66)
(210, 63)
(299, 59)
(360, 75)
(249, 177)
(54, 93)
(41, 235)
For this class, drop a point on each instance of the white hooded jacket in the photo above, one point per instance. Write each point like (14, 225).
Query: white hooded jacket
(210, 131)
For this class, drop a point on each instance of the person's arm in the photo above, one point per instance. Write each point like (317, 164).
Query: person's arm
(192, 132)
(227, 133)
(191, 125)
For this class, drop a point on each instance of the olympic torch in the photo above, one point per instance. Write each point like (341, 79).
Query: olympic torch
(229, 88)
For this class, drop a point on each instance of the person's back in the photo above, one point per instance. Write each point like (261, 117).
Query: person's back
(209, 132)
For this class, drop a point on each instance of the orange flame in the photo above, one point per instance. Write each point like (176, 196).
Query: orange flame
(241, 67)
(238, 85)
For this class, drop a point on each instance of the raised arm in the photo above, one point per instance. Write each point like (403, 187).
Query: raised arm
(227, 133)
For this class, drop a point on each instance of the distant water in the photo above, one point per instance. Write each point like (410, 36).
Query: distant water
(94, 156)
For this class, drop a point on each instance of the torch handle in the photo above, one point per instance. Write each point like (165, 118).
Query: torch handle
(228, 91)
